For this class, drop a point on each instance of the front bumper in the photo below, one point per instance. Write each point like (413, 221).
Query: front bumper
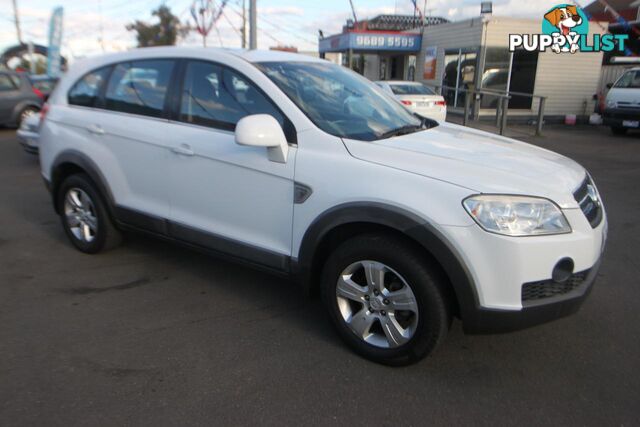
(617, 117)
(488, 321)
(501, 269)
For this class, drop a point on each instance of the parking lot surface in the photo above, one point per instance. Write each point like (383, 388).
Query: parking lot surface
(153, 334)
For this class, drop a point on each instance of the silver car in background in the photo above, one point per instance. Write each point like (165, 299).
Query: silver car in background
(417, 97)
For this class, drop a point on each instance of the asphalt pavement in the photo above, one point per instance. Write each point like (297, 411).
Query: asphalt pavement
(154, 334)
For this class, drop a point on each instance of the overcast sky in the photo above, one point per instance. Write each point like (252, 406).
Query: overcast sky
(288, 22)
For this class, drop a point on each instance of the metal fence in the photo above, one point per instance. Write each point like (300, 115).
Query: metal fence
(473, 98)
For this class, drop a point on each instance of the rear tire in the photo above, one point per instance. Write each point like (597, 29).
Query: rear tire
(398, 318)
(617, 130)
(84, 216)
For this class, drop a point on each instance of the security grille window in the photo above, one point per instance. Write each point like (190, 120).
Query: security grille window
(495, 75)
(459, 75)
(85, 92)
(218, 97)
(139, 87)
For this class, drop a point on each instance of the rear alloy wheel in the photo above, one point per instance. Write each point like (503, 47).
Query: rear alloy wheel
(84, 217)
(385, 299)
(81, 216)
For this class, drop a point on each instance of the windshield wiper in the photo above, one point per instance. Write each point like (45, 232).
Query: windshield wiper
(403, 130)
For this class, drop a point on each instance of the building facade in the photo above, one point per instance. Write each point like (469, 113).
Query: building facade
(475, 54)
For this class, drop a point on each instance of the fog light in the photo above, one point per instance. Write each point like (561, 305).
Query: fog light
(563, 270)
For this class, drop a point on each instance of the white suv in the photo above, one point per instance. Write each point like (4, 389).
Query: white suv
(306, 169)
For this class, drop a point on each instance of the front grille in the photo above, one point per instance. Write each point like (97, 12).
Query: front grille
(587, 197)
(535, 291)
(624, 113)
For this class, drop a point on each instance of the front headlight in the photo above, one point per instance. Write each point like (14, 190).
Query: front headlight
(516, 215)
(611, 104)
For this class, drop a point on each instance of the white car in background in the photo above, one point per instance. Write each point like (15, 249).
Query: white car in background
(418, 98)
(622, 105)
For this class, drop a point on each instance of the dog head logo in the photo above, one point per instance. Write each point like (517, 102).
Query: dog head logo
(564, 18)
(568, 21)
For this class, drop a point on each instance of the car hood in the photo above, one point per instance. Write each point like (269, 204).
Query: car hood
(477, 160)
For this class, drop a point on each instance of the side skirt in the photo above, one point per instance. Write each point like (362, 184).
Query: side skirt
(202, 241)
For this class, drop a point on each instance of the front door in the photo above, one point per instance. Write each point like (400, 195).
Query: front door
(225, 196)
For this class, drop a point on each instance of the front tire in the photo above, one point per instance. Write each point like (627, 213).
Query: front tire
(84, 216)
(386, 302)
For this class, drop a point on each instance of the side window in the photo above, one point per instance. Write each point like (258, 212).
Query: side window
(86, 90)
(139, 87)
(218, 97)
(6, 84)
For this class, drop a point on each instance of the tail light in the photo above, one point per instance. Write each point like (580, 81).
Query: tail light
(441, 103)
(405, 102)
(43, 113)
(38, 93)
(601, 102)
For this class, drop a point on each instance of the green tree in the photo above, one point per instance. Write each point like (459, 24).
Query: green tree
(163, 33)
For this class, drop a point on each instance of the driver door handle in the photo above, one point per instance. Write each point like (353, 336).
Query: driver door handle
(183, 150)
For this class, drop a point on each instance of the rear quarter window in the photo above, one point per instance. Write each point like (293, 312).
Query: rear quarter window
(85, 91)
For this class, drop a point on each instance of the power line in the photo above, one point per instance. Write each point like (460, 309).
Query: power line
(271, 37)
(279, 28)
(231, 24)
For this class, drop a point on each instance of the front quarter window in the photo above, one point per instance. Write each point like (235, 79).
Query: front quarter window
(341, 102)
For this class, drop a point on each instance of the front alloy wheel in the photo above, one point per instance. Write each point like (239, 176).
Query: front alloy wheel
(388, 302)
(377, 304)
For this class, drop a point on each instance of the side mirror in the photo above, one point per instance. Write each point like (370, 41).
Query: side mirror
(609, 85)
(263, 130)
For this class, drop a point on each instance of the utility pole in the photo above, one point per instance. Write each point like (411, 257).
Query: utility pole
(244, 24)
(253, 25)
(17, 21)
(101, 25)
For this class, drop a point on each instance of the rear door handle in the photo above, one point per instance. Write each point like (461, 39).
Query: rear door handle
(183, 150)
(95, 129)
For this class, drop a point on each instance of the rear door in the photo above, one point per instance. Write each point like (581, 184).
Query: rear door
(134, 130)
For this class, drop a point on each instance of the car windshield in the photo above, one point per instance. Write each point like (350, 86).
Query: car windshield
(629, 80)
(400, 89)
(341, 102)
